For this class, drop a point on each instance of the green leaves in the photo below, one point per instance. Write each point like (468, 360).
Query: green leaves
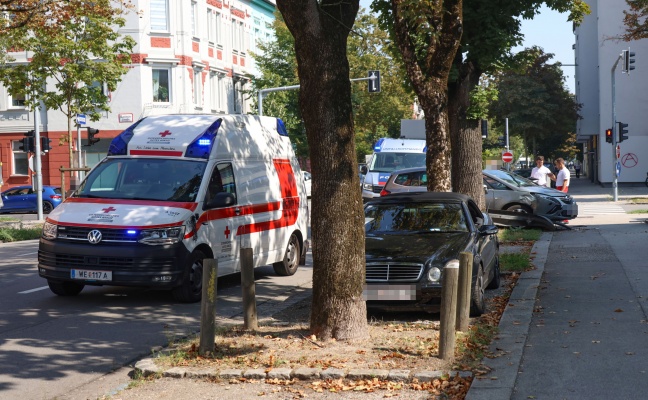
(75, 48)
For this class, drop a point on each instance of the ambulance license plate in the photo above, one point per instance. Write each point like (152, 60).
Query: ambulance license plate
(91, 275)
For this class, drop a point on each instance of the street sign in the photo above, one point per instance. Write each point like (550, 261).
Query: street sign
(618, 151)
(81, 119)
(617, 168)
(507, 156)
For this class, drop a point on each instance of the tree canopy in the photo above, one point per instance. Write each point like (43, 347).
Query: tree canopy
(538, 106)
(636, 20)
(375, 114)
(72, 56)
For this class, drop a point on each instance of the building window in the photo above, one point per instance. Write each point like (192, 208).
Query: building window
(197, 87)
(239, 101)
(238, 35)
(160, 15)
(99, 91)
(214, 26)
(20, 163)
(161, 85)
(194, 19)
(216, 86)
(17, 101)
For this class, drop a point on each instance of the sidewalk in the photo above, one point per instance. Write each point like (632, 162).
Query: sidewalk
(576, 327)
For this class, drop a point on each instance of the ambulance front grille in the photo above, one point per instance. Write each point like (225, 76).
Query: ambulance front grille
(107, 235)
(70, 261)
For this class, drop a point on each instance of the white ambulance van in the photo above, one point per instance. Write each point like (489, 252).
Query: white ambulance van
(173, 191)
(390, 155)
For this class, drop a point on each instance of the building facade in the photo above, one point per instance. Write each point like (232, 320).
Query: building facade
(599, 87)
(192, 56)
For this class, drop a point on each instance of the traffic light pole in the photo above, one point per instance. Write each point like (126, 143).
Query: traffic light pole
(37, 165)
(373, 78)
(506, 132)
(79, 155)
(615, 181)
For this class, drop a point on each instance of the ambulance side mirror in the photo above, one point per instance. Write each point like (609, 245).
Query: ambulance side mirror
(363, 170)
(222, 199)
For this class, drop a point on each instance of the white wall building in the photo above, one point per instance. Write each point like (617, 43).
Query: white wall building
(192, 56)
(596, 51)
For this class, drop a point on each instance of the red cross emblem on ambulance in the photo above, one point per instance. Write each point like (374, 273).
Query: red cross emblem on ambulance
(227, 232)
(165, 133)
(108, 209)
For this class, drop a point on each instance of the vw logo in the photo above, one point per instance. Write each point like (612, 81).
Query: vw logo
(94, 236)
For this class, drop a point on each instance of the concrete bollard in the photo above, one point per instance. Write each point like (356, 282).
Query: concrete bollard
(447, 337)
(249, 290)
(208, 307)
(463, 291)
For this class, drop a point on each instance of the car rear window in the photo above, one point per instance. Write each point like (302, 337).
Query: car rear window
(417, 178)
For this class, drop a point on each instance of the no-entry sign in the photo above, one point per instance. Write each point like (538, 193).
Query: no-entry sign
(507, 157)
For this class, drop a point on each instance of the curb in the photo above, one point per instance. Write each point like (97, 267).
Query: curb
(513, 332)
(147, 367)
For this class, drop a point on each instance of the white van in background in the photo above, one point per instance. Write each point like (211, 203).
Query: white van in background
(174, 190)
(390, 155)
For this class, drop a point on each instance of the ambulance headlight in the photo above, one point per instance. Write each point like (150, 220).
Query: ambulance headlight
(49, 230)
(161, 236)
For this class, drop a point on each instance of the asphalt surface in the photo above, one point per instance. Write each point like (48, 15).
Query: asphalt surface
(576, 328)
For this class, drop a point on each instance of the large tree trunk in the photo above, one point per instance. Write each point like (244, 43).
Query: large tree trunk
(320, 32)
(465, 135)
(428, 72)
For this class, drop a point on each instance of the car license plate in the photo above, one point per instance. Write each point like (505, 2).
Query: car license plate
(91, 275)
(389, 292)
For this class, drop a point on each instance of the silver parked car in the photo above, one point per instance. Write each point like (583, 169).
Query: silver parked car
(504, 191)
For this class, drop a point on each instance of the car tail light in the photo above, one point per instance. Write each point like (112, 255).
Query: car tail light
(384, 192)
(55, 197)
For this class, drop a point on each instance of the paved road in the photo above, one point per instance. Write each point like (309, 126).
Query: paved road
(51, 346)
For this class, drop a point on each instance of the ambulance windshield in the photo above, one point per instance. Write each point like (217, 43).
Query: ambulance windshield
(388, 162)
(144, 179)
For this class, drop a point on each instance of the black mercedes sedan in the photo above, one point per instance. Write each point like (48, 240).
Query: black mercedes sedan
(412, 237)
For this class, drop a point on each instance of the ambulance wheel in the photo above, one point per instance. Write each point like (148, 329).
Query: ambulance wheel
(190, 291)
(65, 288)
(290, 262)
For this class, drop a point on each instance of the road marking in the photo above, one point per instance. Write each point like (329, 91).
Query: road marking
(600, 209)
(33, 290)
(27, 254)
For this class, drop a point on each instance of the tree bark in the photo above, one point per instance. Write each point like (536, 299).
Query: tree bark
(465, 135)
(429, 77)
(321, 32)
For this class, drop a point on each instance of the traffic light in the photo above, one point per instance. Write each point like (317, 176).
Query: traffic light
(91, 136)
(484, 128)
(628, 60)
(45, 144)
(502, 141)
(608, 135)
(374, 82)
(28, 145)
(623, 132)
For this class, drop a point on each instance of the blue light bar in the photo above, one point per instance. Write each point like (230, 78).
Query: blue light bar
(201, 147)
(119, 145)
(131, 232)
(378, 145)
(281, 128)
